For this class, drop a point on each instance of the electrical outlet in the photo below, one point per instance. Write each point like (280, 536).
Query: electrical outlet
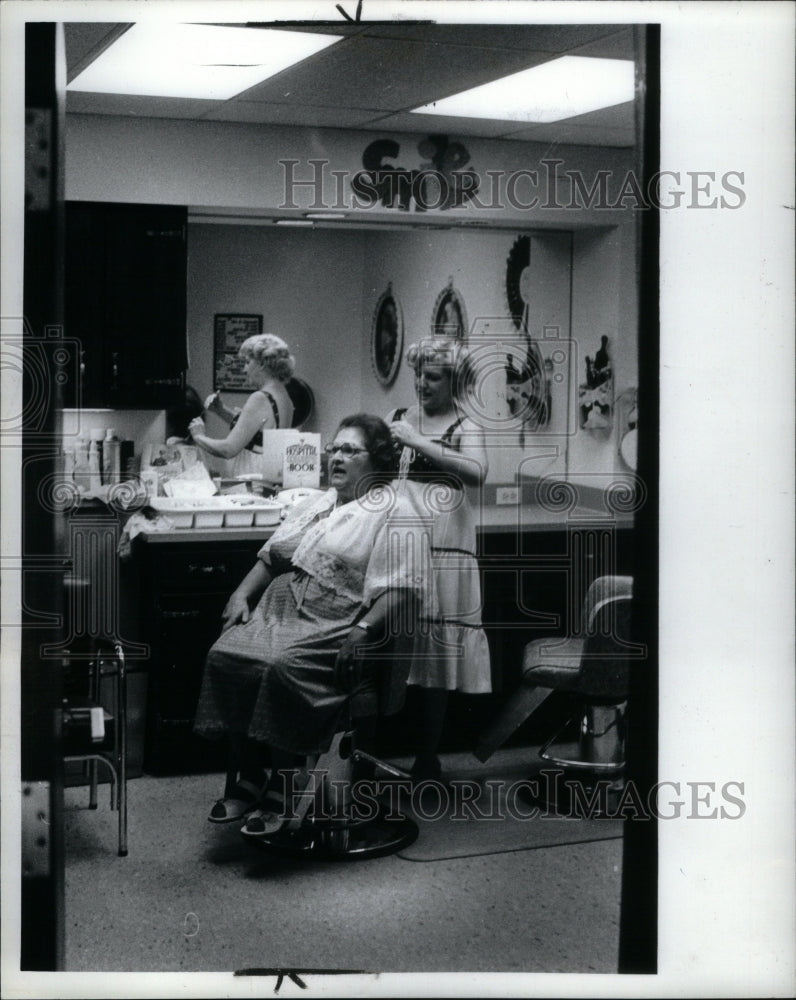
(508, 494)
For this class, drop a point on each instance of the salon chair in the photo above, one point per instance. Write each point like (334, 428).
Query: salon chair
(90, 732)
(593, 670)
(328, 823)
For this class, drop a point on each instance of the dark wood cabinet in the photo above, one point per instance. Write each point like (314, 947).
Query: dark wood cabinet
(125, 303)
(182, 590)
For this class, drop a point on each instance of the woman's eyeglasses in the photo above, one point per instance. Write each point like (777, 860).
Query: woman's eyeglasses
(346, 450)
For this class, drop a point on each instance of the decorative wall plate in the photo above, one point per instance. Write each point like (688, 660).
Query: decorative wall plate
(387, 337)
(449, 318)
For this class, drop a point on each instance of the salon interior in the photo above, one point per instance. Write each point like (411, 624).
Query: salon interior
(356, 189)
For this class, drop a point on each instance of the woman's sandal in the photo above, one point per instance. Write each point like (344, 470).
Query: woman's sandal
(244, 798)
(268, 819)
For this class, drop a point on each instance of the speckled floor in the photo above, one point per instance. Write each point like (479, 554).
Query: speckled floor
(192, 896)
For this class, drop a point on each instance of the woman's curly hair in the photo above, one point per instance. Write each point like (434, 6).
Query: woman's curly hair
(445, 352)
(378, 441)
(272, 353)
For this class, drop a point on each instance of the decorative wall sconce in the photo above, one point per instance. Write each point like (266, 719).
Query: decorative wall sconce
(596, 392)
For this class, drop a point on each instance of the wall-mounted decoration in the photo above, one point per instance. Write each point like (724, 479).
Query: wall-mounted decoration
(229, 332)
(528, 392)
(596, 394)
(527, 374)
(449, 318)
(387, 337)
(518, 269)
(627, 427)
(303, 399)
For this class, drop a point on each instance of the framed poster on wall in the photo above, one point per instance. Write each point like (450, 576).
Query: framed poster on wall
(229, 332)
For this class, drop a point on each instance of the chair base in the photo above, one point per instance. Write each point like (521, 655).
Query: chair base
(564, 796)
(344, 840)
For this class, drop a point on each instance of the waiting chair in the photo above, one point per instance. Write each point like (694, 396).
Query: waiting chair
(593, 668)
(93, 735)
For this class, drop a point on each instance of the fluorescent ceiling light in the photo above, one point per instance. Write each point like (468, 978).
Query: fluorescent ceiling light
(195, 60)
(561, 88)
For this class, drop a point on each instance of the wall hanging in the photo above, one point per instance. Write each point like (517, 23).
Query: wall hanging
(229, 332)
(449, 318)
(596, 393)
(627, 427)
(527, 374)
(387, 337)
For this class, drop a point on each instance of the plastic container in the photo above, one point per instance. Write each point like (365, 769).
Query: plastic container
(215, 512)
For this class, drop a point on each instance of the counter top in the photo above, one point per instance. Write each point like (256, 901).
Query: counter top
(528, 518)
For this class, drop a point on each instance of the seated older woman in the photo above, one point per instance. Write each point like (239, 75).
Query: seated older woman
(325, 586)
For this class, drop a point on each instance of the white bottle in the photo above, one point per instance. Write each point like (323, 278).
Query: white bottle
(95, 461)
(81, 471)
(69, 463)
(111, 472)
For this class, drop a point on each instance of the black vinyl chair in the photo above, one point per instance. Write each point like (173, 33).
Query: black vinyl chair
(593, 668)
(328, 822)
(90, 732)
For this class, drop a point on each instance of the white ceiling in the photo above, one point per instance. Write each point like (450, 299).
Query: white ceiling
(377, 72)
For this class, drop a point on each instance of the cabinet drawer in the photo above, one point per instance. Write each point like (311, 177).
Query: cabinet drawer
(207, 569)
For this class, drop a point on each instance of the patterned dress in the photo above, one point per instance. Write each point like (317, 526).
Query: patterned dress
(272, 678)
(452, 652)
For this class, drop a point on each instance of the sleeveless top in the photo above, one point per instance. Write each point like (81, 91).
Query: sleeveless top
(257, 440)
(414, 465)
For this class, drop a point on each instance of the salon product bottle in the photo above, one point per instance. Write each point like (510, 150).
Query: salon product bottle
(81, 470)
(111, 467)
(95, 461)
(69, 463)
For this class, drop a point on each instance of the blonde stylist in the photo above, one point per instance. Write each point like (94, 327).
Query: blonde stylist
(268, 366)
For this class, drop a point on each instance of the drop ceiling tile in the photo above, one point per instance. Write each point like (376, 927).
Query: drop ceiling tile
(255, 112)
(389, 75)
(618, 116)
(619, 45)
(85, 40)
(541, 37)
(440, 125)
(574, 135)
(79, 102)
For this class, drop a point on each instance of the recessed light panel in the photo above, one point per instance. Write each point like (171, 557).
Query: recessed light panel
(195, 60)
(559, 89)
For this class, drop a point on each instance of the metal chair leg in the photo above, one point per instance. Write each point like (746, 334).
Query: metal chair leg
(121, 744)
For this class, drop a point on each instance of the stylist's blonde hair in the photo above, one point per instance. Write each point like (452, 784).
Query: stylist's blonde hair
(272, 353)
(446, 352)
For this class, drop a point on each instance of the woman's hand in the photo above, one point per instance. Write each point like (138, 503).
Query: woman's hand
(404, 434)
(196, 426)
(350, 662)
(236, 612)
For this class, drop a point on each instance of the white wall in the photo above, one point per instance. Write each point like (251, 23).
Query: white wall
(308, 287)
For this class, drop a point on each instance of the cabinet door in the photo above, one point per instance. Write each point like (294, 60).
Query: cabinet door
(145, 340)
(185, 628)
(84, 302)
(125, 292)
